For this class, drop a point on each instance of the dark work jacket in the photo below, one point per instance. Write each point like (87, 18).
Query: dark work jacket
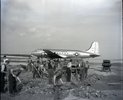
(12, 80)
(49, 66)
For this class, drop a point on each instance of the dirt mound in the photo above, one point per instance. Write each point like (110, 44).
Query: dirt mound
(87, 92)
(84, 90)
(91, 80)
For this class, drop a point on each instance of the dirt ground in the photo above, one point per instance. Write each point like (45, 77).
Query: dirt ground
(98, 86)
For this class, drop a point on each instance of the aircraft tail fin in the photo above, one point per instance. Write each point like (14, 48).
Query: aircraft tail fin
(94, 48)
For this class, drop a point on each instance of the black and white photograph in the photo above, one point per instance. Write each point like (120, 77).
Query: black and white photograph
(61, 50)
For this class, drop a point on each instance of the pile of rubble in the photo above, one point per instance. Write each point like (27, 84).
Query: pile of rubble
(91, 80)
(41, 87)
(87, 92)
(83, 89)
(35, 86)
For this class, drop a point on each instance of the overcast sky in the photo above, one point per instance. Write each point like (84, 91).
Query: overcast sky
(27, 25)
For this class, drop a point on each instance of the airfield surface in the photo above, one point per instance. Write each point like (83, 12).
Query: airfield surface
(98, 86)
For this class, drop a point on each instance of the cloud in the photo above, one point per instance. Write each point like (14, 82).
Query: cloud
(22, 34)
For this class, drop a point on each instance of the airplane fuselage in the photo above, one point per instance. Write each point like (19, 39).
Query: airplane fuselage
(63, 53)
(93, 51)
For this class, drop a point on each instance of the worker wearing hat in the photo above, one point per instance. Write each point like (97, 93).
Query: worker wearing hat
(3, 75)
(5, 59)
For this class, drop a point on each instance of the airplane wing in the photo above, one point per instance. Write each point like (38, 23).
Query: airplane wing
(16, 55)
(51, 54)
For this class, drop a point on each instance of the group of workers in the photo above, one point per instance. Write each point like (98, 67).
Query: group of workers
(52, 69)
(55, 69)
(9, 77)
